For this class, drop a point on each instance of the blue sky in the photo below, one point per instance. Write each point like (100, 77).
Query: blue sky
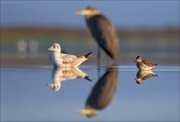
(133, 14)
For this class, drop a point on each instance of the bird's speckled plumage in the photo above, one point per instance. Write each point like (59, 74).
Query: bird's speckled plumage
(144, 75)
(143, 64)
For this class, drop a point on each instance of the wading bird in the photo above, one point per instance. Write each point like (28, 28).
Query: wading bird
(143, 64)
(103, 32)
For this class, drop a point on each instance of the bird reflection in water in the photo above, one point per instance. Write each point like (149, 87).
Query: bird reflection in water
(144, 75)
(101, 94)
(62, 74)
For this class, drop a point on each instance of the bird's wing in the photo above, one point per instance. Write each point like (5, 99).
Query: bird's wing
(67, 58)
(148, 63)
(105, 34)
(68, 74)
(147, 76)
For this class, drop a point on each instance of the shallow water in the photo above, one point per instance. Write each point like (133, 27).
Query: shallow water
(113, 93)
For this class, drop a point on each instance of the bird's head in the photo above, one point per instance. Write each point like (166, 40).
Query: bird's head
(89, 11)
(88, 112)
(55, 86)
(138, 80)
(138, 59)
(55, 48)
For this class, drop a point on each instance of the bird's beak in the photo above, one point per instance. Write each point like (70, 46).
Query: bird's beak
(87, 111)
(81, 111)
(49, 49)
(83, 12)
(135, 61)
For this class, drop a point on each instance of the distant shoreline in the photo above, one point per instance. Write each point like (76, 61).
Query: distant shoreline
(160, 45)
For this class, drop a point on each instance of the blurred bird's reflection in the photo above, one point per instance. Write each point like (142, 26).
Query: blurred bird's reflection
(61, 74)
(101, 94)
(144, 75)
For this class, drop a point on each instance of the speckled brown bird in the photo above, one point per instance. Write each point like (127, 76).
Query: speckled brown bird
(143, 64)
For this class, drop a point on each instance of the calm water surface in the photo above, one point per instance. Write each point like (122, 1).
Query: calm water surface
(41, 93)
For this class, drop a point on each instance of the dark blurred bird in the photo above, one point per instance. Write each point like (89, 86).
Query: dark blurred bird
(103, 32)
(102, 93)
(143, 64)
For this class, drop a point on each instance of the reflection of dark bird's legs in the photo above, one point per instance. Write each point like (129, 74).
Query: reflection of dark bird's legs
(98, 61)
(98, 56)
(98, 72)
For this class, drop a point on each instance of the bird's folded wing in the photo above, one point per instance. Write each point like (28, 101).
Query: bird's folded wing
(67, 58)
(147, 76)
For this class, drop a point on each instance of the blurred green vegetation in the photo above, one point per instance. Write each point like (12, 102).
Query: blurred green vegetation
(159, 45)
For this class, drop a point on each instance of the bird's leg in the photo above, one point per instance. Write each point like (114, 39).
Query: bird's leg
(98, 56)
(107, 60)
(98, 72)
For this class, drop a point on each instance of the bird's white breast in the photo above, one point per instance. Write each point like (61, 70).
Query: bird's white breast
(55, 59)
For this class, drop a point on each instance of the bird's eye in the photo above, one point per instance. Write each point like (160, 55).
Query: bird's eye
(54, 46)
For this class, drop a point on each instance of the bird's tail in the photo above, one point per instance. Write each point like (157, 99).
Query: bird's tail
(82, 58)
(88, 55)
(87, 78)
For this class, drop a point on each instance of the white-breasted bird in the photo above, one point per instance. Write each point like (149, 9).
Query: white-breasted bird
(59, 59)
(143, 64)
